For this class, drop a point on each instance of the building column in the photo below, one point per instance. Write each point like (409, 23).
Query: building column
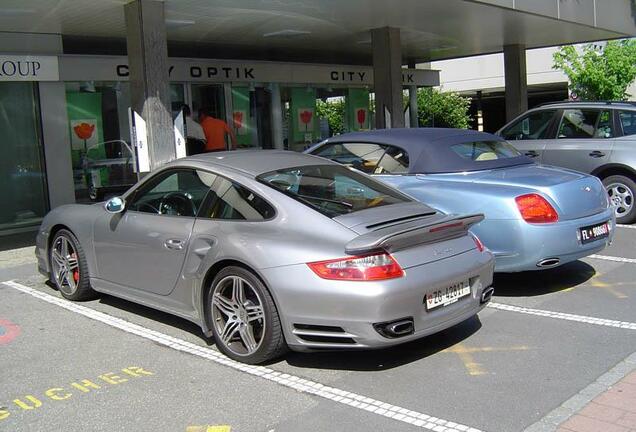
(387, 77)
(413, 101)
(277, 117)
(516, 80)
(149, 85)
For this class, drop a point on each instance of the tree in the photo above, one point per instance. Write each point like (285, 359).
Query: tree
(442, 109)
(599, 73)
(333, 111)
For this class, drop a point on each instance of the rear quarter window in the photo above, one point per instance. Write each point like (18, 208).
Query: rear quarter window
(480, 151)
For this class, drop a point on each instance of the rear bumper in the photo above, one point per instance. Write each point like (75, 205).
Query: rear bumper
(322, 314)
(520, 246)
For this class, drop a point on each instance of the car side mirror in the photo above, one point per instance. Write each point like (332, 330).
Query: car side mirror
(115, 205)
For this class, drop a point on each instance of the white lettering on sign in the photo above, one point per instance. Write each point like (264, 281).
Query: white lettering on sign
(28, 68)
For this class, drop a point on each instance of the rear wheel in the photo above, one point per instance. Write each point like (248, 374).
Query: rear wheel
(245, 321)
(621, 191)
(69, 271)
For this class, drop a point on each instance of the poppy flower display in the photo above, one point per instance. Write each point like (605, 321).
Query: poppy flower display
(84, 130)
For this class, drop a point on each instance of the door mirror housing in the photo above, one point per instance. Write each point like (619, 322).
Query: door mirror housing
(115, 205)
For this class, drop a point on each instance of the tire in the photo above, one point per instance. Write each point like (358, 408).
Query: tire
(69, 271)
(246, 326)
(622, 191)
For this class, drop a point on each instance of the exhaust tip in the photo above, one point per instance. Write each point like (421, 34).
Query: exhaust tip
(486, 295)
(548, 262)
(395, 329)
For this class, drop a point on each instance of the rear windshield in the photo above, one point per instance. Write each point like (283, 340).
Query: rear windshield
(332, 190)
(480, 151)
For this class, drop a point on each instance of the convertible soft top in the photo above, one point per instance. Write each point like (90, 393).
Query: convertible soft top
(429, 149)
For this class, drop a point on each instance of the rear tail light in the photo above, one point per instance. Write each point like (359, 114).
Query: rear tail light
(478, 243)
(359, 268)
(535, 209)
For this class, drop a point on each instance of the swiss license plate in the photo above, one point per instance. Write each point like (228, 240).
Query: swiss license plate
(448, 295)
(594, 232)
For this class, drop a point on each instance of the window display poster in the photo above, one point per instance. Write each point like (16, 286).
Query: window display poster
(357, 103)
(303, 116)
(241, 120)
(85, 125)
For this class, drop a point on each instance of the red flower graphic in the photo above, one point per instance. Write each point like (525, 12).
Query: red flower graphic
(362, 116)
(305, 117)
(237, 118)
(84, 130)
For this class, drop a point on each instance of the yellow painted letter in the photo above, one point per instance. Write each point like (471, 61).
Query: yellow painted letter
(24, 406)
(53, 394)
(4, 414)
(136, 371)
(111, 378)
(83, 387)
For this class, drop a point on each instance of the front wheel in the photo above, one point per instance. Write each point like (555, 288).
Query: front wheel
(245, 321)
(69, 271)
(621, 191)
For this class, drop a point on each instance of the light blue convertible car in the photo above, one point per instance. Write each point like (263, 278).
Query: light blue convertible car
(537, 217)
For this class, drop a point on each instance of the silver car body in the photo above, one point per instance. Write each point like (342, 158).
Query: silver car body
(127, 257)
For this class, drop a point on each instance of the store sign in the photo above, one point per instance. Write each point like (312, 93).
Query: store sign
(28, 68)
(85, 68)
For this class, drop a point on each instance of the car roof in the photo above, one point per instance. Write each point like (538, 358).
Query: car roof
(250, 162)
(429, 149)
(631, 105)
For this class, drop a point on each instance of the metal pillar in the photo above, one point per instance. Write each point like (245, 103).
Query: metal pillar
(149, 85)
(515, 80)
(387, 77)
(413, 101)
(277, 117)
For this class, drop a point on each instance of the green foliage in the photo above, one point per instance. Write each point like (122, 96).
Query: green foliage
(599, 74)
(442, 109)
(334, 112)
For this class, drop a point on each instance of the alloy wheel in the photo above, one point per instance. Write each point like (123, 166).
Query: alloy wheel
(621, 197)
(238, 315)
(65, 265)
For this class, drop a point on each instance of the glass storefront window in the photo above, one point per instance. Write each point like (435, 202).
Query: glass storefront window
(22, 174)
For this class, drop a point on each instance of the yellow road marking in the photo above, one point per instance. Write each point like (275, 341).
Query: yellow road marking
(466, 355)
(219, 428)
(596, 283)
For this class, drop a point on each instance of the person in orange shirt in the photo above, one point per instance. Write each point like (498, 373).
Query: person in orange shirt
(215, 131)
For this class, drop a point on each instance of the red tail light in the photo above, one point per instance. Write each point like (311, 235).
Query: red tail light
(478, 243)
(535, 209)
(359, 268)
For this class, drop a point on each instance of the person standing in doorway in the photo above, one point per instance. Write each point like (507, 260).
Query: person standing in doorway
(217, 132)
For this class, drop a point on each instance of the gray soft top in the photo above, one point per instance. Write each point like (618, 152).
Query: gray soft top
(429, 149)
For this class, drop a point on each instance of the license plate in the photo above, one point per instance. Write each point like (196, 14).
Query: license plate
(448, 295)
(594, 232)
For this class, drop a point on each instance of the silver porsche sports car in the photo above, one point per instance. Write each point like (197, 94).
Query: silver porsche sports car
(268, 249)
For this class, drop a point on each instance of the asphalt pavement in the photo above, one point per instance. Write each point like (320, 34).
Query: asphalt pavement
(549, 343)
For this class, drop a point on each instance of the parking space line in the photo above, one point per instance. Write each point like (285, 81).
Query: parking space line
(626, 226)
(613, 258)
(565, 316)
(301, 385)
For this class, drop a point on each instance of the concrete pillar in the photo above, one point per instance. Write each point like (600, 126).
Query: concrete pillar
(149, 85)
(277, 117)
(387, 77)
(516, 80)
(413, 101)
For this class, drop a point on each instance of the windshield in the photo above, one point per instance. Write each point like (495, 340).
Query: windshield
(332, 190)
(480, 151)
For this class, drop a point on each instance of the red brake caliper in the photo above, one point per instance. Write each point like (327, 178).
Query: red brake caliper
(76, 271)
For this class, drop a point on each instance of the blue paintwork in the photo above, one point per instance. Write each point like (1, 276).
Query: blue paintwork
(518, 245)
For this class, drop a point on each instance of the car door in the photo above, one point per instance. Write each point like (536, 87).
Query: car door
(530, 133)
(145, 246)
(584, 140)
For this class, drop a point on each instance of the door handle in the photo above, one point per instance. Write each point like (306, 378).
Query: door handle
(174, 244)
(597, 154)
(531, 153)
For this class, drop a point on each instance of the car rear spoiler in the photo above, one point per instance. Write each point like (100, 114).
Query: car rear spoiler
(402, 236)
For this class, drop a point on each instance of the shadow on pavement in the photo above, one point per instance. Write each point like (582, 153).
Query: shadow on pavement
(387, 358)
(535, 283)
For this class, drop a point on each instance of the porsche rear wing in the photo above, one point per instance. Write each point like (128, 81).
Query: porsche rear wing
(402, 236)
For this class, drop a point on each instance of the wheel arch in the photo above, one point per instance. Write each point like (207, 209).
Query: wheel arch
(614, 169)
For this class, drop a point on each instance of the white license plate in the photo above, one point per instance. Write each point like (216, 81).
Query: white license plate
(448, 295)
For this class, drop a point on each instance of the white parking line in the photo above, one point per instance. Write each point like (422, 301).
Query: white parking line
(302, 385)
(626, 226)
(613, 258)
(565, 316)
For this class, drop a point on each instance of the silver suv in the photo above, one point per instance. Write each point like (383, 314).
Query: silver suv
(594, 137)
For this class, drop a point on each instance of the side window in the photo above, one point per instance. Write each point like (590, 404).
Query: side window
(394, 161)
(175, 193)
(585, 123)
(361, 156)
(230, 200)
(628, 122)
(533, 126)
